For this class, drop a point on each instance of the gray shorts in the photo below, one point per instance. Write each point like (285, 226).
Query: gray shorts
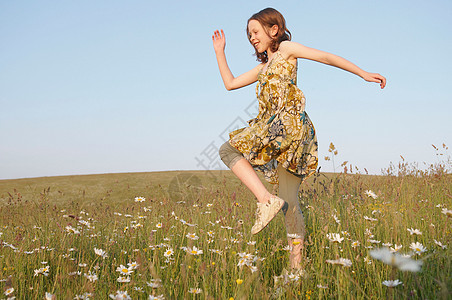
(229, 155)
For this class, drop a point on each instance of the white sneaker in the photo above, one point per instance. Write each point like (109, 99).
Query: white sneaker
(266, 212)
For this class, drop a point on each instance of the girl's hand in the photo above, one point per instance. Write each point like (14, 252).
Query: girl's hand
(219, 41)
(375, 77)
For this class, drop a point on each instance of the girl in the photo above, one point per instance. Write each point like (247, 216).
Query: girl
(281, 141)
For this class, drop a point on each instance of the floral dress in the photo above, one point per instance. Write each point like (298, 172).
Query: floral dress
(282, 131)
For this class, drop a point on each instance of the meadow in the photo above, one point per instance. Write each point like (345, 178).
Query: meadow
(186, 235)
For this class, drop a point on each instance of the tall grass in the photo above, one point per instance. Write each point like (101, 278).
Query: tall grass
(219, 211)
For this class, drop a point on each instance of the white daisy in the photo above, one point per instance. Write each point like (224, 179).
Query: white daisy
(392, 283)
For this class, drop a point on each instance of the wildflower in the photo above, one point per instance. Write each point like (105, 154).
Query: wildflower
(71, 229)
(123, 279)
(396, 260)
(194, 251)
(387, 244)
(44, 271)
(370, 219)
(251, 243)
(216, 251)
(335, 237)
(85, 296)
(152, 297)
(440, 244)
(209, 205)
(447, 212)
(374, 241)
(169, 252)
(367, 260)
(133, 265)
(322, 286)
(101, 253)
(192, 236)
(294, 236)
(392, 283)
(355, 244)
(120, 295)
(341, 261)
(210, 233)
(414, 231)
(140, 199)
(49, 296)
(369, 193)
(159, 225)
(252, 268)
(9, 291)
(336, 219)
(155, 283)
(417, 247)
(396, 248)
(369, 233)
(195, 291)
(239, 281)
(123, 270)
(91, 276)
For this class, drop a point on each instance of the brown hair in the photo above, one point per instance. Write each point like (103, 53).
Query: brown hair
(267, 18)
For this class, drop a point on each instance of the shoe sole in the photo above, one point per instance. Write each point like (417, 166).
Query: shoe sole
(282, 204)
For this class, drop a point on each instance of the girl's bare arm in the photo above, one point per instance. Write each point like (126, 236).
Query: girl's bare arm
(296, 50)
(231, 82)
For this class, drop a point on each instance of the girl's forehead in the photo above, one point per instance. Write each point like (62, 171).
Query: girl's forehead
(254, 24)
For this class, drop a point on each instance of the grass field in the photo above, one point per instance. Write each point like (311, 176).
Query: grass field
(186, 235)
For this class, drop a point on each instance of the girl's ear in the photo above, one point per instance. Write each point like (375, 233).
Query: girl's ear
(274, 30)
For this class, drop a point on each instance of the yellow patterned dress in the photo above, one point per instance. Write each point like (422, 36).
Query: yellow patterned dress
(282, 132)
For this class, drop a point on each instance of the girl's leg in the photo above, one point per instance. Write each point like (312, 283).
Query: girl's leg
(244, 171)
(268, 205)
(295, 226)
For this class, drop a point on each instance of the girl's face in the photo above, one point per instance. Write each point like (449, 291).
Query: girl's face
(259, 37)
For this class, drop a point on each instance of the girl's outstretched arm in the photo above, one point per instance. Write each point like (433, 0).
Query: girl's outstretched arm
(231, 82)
(296, 50)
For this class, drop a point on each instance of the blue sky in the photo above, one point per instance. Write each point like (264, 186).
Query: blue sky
(133, 86)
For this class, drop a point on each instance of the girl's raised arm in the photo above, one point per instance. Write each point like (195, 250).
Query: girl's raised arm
(296, 50)
(231, 82)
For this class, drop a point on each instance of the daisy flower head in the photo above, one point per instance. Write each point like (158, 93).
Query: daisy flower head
(169, 252)
(124, 271)
(414, 231)
(101, 253)
(9, 291)
(195, 291)
(155, 283)
(49, 296)
(403, 263)
(334, 237)
(159, 225)
(194, 251)
(122, 279)
(418, 248)
(341, 261)
(133, 265)
(369, 193)
(396, 248)
(447, 212)
(192, 236)
(440, 244)
(120, 295)
(91, 276)
(140, 199)
(391, 283)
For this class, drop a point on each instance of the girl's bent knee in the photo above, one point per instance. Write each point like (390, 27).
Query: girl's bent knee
(229, 155)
